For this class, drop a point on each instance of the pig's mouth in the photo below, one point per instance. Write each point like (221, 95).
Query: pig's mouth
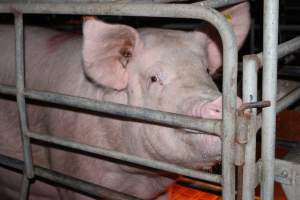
(191, 131)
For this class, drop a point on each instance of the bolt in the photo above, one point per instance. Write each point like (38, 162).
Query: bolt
(284, 173)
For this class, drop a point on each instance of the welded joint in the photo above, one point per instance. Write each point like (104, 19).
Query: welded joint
(258, 176)
(241, 140)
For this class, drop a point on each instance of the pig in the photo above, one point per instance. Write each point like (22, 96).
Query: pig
(167, 70)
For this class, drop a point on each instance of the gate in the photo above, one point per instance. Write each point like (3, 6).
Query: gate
(238, 132)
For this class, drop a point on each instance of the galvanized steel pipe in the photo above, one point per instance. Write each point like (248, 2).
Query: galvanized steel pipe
(207, 3)
(284, 49)
(24, 194)
(218, 3)
(20, 85)
(250, 95)
(288, 100)
(127, 158)
(204, 126)
(270, 56)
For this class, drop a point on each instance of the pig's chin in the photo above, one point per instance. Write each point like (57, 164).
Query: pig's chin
(204, 164)
(209, 157)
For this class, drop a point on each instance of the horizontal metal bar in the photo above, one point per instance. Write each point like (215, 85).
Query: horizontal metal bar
(207, 3)
(118, 8)
(164, 118)
(257, 104)
(127, 158)
(76, 184)
(93, 1)
(283, 49)
(218, 3)
(290, 98)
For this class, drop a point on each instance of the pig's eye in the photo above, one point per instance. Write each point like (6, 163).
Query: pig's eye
(153, 79)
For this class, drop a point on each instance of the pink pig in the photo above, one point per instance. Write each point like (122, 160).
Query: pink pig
(153, 68)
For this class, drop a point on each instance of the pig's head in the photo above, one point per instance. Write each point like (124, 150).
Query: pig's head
(166, 70)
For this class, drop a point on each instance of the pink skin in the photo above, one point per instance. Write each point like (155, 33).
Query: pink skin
(210, 110)
(152, 68)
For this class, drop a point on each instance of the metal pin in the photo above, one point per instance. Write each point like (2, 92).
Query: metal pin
(258, 104)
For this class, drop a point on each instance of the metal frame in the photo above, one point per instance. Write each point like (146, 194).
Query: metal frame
(183, 11)
(226, 128)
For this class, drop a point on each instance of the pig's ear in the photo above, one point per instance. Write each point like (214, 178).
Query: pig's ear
(107, 50)
(239, 17)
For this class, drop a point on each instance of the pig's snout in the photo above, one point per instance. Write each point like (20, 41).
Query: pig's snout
(209, 110)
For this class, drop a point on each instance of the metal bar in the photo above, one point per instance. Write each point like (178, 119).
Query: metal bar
(250, 95)
(218, 3)
(241, 138)
(127, 158)
(25, 188)
(287, 100)
(76, 184)
(181, 121)
(93, 1)
(270, 37)
(178, 11)
(257, 104)
(208, 3)
(20, 84)
(283, 49)
(164, 118)
(108, 8)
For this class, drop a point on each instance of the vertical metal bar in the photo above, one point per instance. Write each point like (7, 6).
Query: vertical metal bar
(20, 82)
(229, 120)
(24, 188)
(250, 95)
(270, 37)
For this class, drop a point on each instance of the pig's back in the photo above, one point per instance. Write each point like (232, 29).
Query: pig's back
(52, 58)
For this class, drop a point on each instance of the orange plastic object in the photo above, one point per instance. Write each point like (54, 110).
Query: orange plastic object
(177, 192)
